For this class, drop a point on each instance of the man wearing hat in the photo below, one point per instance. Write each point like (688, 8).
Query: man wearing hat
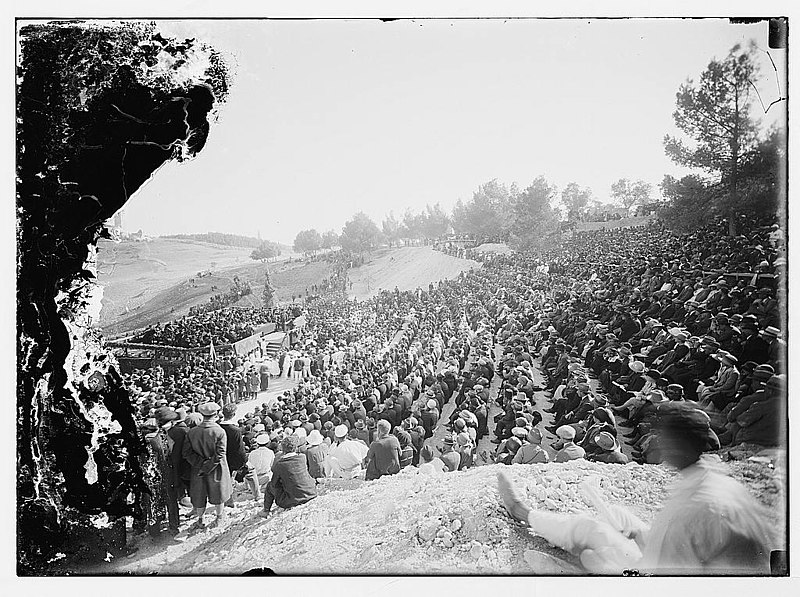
(531, 451)
(205, 449)
(429, 417)
(569, 450)
(449, 456)
(725, 381)
(291, 485)
(710, 524)
(345, 456)
(763, 422)
(608, 450)
(316, 452)
(776, 347)
(163, 447)
(756, 393)
(753, 346)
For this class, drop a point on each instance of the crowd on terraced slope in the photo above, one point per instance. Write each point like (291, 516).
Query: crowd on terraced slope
(655, 318)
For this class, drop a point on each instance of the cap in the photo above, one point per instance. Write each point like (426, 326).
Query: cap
(566, 432)
(208, 408)
(340, 431)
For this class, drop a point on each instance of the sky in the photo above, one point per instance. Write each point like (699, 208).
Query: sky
(326, 118)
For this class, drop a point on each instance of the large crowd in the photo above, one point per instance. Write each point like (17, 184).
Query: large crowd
(220, 327)
(622, 326)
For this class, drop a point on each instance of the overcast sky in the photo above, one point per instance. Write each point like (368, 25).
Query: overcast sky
(329, 117)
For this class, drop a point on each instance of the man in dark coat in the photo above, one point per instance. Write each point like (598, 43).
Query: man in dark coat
(205, 448)
(180, 466)
(291, 483)
(754, 348)
(236, 455)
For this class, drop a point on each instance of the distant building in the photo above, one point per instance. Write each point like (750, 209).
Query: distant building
(114, 226)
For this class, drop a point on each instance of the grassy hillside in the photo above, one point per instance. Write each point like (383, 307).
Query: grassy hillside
(157, 281)
(174, 300)
(132, 273)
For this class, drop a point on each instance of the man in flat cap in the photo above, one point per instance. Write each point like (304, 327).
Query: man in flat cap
(205, 449)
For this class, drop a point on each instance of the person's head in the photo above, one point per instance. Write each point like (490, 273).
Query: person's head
(684, 433)
(674, 392)
(290, 443)
(228, 411)
(566, 433)
(208, 410)
(605, 441)
(383, 427)
(340, 432)
(535, 436)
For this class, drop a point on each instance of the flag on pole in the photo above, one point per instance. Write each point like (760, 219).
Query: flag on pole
(211, 352)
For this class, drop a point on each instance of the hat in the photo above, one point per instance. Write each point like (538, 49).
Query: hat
(686, 419)
(535, 435)
(636, 366)
(606, 441)
(462, 438)
(656, 396)
(771, 330)
(208, 409)
(314, 438)
(448, 440)
(725, 357)
(566, 432)
(603, 414)
(164, 415)
(519, 431)
(763, 372)
(360, 424)
(291, 443)
(262, 439)
(295, 423)
(301, 432)
(432, 404)
(340, 431)
(777, 382)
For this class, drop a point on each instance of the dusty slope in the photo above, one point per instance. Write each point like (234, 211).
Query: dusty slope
(414, 524)
(407, 268)
(131, 272)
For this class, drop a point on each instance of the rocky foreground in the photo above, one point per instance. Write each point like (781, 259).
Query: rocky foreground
(416, 524)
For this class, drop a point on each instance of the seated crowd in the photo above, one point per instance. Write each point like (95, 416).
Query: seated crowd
(651, 316)
(223, 326)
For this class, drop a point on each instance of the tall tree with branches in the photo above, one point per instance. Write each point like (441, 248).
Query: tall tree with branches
(715, 114)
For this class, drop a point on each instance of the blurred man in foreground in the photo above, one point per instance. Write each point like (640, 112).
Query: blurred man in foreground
(710, 525)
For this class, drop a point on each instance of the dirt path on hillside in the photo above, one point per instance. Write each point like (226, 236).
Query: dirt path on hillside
(406, 268)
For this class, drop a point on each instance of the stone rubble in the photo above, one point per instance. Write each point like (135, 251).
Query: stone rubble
(415, 524)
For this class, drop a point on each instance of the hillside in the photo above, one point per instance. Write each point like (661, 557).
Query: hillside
(406, 268)
(157, 281)
(132, 273)
(288, 278)
(415, 524)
